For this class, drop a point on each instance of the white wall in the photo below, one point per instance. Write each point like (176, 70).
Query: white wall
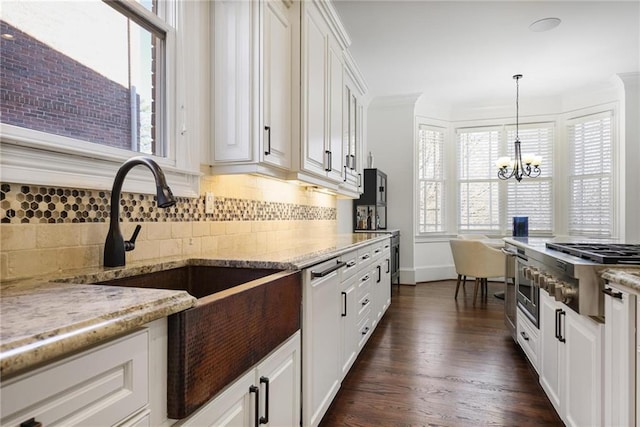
(630, 132)
(390, 139)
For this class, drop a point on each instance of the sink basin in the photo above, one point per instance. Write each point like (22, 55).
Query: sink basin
(199, 281)
(240, 316)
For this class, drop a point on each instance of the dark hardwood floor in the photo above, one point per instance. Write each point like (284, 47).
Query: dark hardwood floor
(437, 361)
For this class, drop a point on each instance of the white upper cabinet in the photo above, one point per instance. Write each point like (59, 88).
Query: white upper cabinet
(281, 78)
(353, 127)
(279, 18)
(322, 80)
(255, 86)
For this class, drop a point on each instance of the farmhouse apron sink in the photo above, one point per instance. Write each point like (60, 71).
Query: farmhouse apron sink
(240, 316)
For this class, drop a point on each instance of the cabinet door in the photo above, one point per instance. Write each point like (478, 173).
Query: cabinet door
(279, 381)
(232, 75)
(337, 160)
(385, 287)
(277, 74)
(619, 355)
(349, 325)
(321, 343)
(234, 407)
(314, 96)
(549, 352)
(582, 372)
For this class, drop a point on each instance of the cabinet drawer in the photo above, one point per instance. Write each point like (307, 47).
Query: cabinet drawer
(365, 256)
(364, 330)
(364, 304)
(97, 387)
(364, 282)
(528, 338)
(351, 259)
(377, 250)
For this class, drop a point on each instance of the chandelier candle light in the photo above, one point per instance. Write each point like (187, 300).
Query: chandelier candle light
(527, 165)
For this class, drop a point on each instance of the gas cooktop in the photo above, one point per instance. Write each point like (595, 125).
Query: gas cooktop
(601, 253)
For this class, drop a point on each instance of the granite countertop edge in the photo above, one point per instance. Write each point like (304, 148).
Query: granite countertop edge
(628, 277)
(35, 347)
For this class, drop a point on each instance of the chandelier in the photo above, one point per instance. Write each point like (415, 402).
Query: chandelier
(529, 165)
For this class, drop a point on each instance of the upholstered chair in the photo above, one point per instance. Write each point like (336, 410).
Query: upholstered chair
(472, 258)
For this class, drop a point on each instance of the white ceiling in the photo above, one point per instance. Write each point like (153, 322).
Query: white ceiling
(460, 53)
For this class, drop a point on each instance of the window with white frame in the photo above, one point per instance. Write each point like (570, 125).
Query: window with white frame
(532, 197)
(94, 83)
(590, 175)
(431, 182)
(90, 71)
(478, 186)
(486, 203)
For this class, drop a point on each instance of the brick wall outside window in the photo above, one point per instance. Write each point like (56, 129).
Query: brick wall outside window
(44, 90)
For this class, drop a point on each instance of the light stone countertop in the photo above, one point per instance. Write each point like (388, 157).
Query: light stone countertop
(48, 317)
(627, 276)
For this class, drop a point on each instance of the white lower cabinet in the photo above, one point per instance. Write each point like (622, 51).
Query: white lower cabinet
(619, 357)
(102, 386)
(343, 299)
(268, 394)
(321, 365)
(571, 358)
(528, 338)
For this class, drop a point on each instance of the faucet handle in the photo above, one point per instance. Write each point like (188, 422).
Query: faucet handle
(130, 245)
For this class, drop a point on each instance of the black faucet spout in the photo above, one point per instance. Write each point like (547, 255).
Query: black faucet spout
(115, 247)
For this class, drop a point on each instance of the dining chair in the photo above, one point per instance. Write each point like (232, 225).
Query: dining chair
(472, 258)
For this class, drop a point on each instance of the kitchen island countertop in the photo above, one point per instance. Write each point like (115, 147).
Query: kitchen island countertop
(43, 318)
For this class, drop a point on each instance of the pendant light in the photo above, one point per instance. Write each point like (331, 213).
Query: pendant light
(519, 167)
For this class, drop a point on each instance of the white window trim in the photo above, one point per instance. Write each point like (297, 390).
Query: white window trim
(39, 158)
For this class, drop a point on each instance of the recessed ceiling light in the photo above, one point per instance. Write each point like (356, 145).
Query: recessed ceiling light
(7, 36)
(545, 24)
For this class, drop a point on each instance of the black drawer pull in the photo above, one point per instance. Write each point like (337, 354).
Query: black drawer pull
(329, 270)
(612, 293)
(526, 338)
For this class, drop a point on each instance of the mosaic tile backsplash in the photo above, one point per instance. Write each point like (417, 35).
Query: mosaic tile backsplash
(24, 204)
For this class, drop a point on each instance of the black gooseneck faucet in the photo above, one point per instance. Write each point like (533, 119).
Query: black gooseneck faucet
(115, 245)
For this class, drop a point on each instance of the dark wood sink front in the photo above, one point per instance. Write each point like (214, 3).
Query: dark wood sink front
(241, 315)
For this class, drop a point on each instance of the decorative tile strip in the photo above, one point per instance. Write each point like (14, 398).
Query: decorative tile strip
(24, 204)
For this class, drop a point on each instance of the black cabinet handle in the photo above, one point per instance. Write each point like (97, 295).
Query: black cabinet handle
(560, 337)
(388, 265)
(351, 263)
(130, 244)
(558, 310)
(365, 256)
(365, 331)
(256, 390)
(365, 302)
(31, 422)
(268, 150)
(329, 270)
(379, 273)
(359, 180)
(612, 293)
(265, 419)
(365, 278)
(344, 304)
(526, 338)
(345, 174)
(352, 162)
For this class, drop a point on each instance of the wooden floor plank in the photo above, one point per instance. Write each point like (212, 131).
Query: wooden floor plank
(436, 361)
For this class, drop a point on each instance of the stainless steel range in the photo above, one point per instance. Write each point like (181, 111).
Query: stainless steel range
(568, 271)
